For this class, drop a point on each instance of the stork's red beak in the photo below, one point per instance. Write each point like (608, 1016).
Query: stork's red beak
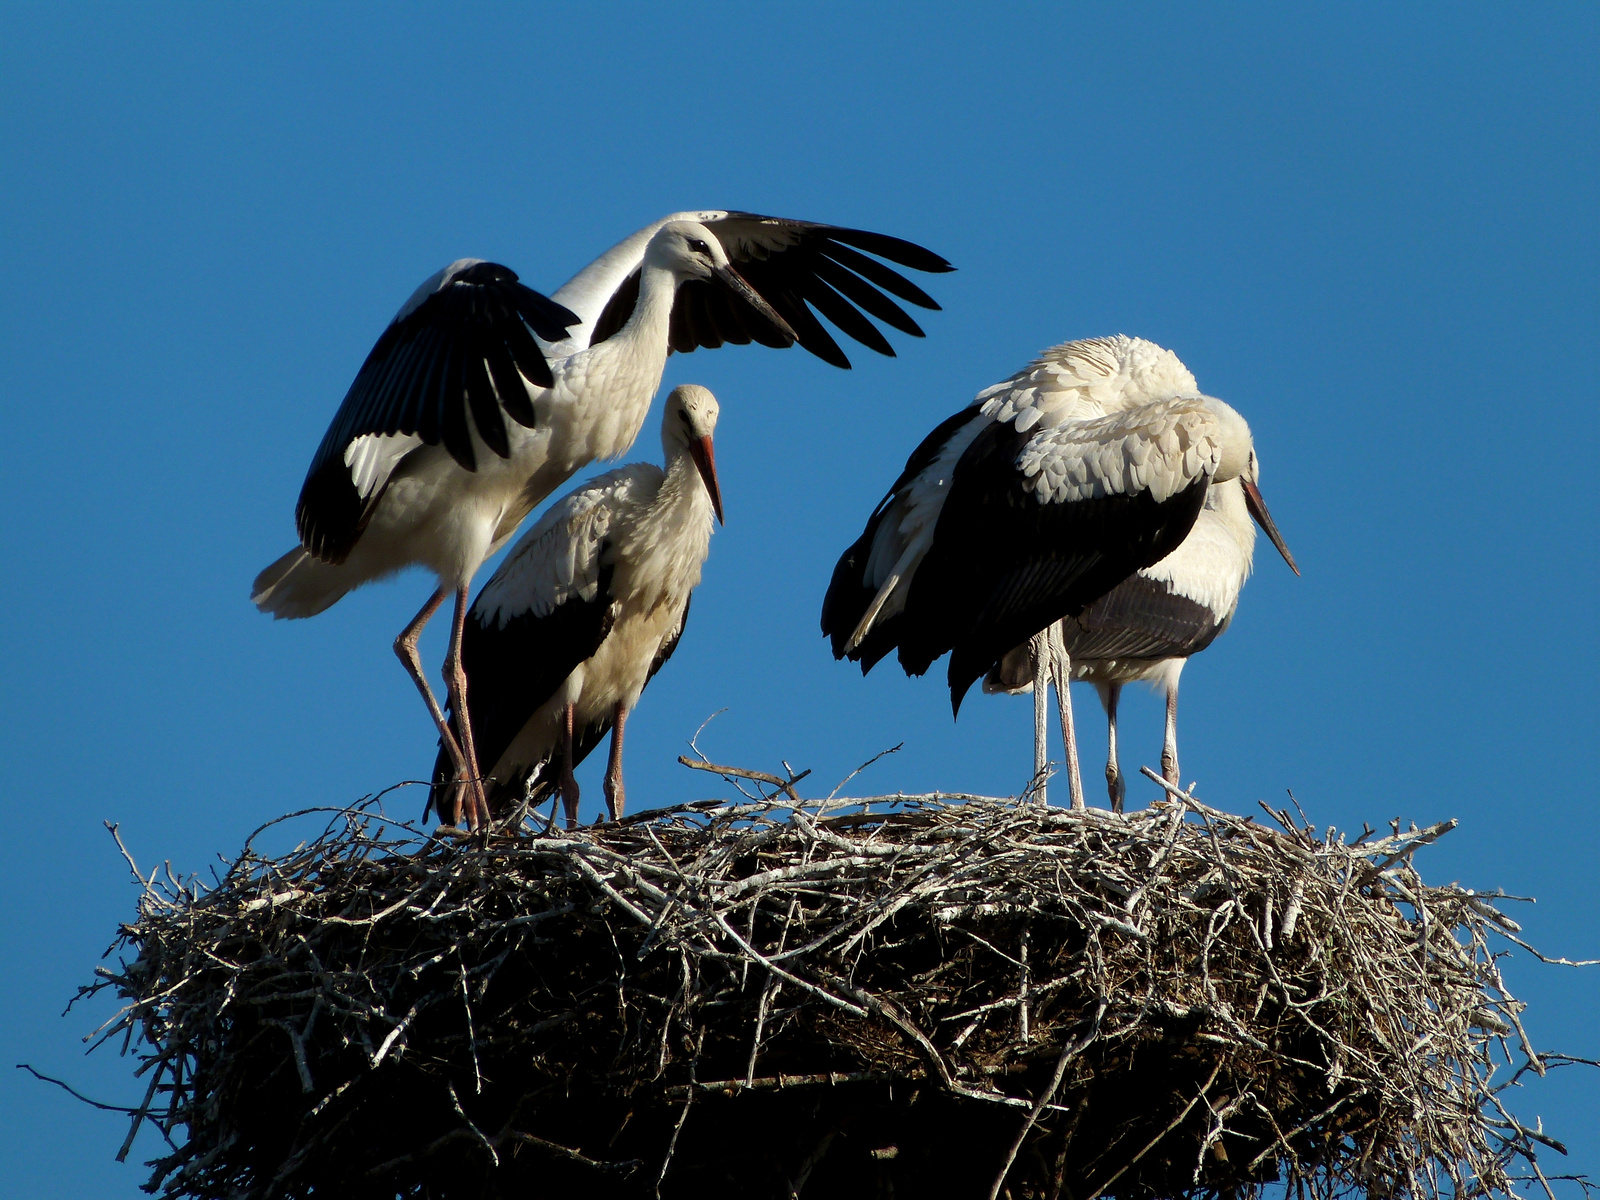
(1258, 510)
(705, 459)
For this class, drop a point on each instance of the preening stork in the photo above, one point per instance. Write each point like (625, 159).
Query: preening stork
(1054, 486)
(1147, 627)
(584, 611)
(460, 422)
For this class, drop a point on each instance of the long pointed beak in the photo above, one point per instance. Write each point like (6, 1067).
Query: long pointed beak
(740, 287)
(706, 460)
(1258, 510)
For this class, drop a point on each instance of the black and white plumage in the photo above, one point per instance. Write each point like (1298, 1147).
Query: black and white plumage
(460, 422)
(1148, 626)
(584, 611)
(1025, 508)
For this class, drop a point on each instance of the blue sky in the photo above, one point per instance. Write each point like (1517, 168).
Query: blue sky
(1370, 228)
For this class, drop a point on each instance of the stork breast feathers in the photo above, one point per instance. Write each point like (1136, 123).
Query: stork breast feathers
(1158, 448)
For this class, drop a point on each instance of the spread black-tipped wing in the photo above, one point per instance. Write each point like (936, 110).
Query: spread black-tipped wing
(808, 272)
(1005, 564)
(464, 346)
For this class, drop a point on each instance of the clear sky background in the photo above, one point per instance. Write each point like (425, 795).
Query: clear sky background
(1372, 228)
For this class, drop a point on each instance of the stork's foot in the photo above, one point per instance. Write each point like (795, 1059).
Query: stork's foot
(569, 798)
(1116, 787)
(615, 796)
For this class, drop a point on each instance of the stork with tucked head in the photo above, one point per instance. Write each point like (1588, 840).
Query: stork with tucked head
(584, 611)
(1053, 487)
(482, 398)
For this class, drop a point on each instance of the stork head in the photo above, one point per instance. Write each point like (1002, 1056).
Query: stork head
(688, 249)
(1239, 462)
(686, 427)
(691, 251)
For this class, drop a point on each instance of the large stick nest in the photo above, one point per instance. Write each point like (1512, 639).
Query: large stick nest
(899, 997)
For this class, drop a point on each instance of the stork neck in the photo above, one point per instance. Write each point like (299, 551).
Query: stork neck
(1226, 501)
(652, 315)
(625, 370)
(682, 489)
(664, 547)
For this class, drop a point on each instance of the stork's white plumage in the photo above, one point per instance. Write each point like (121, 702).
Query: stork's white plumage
(1147, 627)
(584, 611)
(1054, 486)
(456, 427)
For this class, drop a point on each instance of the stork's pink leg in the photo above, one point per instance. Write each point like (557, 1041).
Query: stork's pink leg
(1061, 668)
(456, 675)
(1169, 747)
(1039, 657)
(569, 785)
(1115, 784)
(405, 646)
(614, 793)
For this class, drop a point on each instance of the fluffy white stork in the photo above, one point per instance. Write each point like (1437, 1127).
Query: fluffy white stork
(1147, 627)
(456, 427)
(1054, 486)
(584, 611)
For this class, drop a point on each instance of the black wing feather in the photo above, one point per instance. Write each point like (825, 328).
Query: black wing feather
(874, 272)
(485, 402)
(896, 250)
(508, 385)
(617, 310)
(420, 378)
(858, 291)
(822, 297)
(1004, 566)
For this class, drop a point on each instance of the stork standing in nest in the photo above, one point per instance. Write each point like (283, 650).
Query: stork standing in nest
(1147, 627)
(459, 422)
(1054, 486)
(584, 611)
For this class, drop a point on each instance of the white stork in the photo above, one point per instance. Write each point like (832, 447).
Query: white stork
(584, 611)
(456, 426)
(1147, 627)
(1054, 486)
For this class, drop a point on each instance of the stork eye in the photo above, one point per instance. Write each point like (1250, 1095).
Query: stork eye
(698, 246)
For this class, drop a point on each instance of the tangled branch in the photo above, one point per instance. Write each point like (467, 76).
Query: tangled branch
(758, 997)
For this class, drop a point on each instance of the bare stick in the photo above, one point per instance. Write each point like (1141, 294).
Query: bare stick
(1068, 1053)
(785, 785)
